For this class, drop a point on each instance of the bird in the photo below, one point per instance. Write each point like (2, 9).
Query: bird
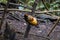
(31, 20)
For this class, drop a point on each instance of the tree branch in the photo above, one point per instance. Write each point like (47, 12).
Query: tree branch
(36, 12)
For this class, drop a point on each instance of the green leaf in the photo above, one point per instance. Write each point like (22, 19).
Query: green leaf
(25, 1)
(48, 5)
(3, 1)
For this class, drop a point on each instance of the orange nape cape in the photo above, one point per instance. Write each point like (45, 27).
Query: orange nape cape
(30, 19)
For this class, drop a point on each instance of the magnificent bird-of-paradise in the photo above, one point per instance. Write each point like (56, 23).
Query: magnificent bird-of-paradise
(30, 19)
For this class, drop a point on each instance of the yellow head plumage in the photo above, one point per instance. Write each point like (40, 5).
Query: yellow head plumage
(30, 19)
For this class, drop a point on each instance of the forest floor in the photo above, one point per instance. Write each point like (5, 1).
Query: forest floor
(44, 28)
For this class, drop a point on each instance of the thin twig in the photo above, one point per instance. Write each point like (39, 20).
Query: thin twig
(43, 1)
(38, 12)
(3, 16)
(53, 26)
(34, 8)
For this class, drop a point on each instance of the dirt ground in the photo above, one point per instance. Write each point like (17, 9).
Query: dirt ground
(20, 26)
